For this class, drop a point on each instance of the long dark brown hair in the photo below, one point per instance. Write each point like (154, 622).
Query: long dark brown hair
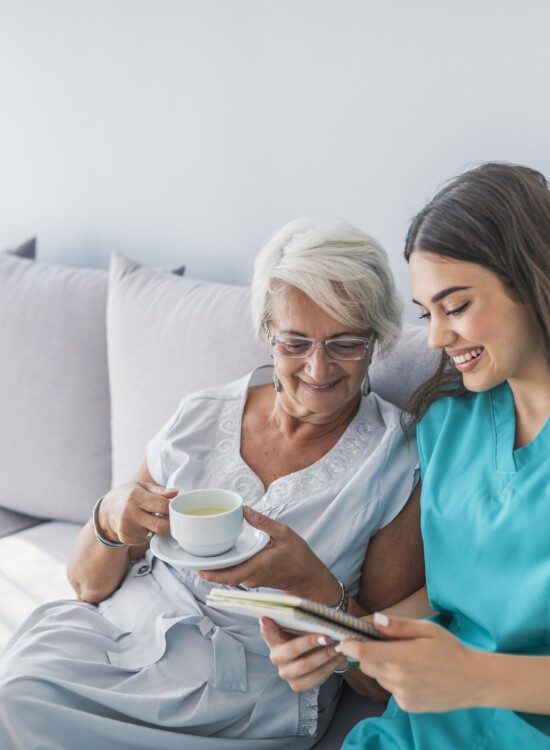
(498, 216)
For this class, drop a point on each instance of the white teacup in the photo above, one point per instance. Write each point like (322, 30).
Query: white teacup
(206, 522)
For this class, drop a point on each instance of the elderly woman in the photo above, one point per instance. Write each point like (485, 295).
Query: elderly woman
(326, 471)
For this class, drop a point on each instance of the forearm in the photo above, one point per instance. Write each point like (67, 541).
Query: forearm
(416, 606)
(95, 571)
(517, 683)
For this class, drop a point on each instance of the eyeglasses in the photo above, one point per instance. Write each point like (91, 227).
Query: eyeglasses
(300, 347)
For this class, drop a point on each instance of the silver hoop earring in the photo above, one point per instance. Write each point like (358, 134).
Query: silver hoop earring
(366, 385)
(276, 382)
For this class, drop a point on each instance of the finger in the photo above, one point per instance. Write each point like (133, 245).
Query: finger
(147, 522)
(275, 529)
(237, 574)
(295, 648)
(316, 677)
(403, 628)
(310, 662)
(158, 489)
(154, 503)
(273, 635)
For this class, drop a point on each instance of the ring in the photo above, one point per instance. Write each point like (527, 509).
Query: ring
(150, 535)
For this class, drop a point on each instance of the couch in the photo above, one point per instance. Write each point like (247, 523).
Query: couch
(93, 363)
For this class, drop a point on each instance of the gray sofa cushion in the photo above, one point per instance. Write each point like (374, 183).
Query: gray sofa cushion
(168, 337)
(26, 249)
(54, 391)
(11, 522)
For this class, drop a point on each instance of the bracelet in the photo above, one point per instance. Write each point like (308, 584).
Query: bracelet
(349, 665)
(97, 531)
(344, 598)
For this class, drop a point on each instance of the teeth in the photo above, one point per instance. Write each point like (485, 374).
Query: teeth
(467, 356)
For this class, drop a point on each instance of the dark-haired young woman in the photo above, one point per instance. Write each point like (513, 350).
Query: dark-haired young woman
(477, 676)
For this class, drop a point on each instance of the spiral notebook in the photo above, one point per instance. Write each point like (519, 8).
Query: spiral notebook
(294, 613)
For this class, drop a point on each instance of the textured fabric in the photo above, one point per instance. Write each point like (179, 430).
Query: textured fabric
(363, 477)
(26, 249)
(54, 391)
(11, 522)
(55, 441)
(33, 571)
(485, 516)
(168, 337)
(153, 666)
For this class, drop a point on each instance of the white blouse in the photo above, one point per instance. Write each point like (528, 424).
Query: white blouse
(337, 504)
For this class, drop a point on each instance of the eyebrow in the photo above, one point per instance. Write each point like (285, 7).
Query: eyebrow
(445, 293)
(334, 335)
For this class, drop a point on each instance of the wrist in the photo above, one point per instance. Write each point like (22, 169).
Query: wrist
(102, 519)
(332, 593)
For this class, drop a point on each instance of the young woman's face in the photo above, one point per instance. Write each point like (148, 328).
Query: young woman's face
(488, 335)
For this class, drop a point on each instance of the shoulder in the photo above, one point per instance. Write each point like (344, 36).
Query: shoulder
(207, 405)
(452, 419)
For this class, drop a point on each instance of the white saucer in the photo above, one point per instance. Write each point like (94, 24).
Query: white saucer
(250, 542)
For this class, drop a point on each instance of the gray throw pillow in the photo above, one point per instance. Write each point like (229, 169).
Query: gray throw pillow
(54, 389)
(168, 337)
(26, 249)
(55, 435)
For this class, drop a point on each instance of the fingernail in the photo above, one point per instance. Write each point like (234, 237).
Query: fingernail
(249, 512)
(381, 619)
(338, 648)
(322, 641)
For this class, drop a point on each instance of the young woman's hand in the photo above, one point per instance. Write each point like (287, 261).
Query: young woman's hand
(286, 563)
(426, 669)
(304, 661)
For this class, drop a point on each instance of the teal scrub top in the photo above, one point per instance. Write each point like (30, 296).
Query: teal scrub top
(486, 530)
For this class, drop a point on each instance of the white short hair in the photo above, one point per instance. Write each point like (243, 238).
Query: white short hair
(339, 267)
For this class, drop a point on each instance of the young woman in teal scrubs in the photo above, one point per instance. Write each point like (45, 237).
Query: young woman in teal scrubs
(477, 674)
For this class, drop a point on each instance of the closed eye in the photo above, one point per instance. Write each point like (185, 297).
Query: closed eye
(458, 310)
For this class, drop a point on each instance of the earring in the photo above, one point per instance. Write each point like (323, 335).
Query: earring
(366, 385)
(276, 381)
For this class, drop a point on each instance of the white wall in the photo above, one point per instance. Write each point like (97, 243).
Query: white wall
(189, 130)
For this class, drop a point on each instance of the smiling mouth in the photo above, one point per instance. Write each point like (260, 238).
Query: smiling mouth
(461, 359)
(467, 360)
(315, 388)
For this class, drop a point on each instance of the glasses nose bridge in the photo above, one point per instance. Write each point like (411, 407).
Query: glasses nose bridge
(323, 358)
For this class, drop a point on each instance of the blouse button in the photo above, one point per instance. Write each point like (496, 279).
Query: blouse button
(142, 570)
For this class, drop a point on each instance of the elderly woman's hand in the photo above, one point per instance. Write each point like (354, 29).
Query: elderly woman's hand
(130, 511)
(286, 563)
(304, 661)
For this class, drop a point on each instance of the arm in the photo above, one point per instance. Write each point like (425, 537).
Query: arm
(428, 669)
(126, 514)
(393, 569)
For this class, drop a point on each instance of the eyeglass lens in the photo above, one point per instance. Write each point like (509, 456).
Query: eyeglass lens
(342, 348)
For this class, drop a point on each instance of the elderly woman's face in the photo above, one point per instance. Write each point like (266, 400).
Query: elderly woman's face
(316, 385)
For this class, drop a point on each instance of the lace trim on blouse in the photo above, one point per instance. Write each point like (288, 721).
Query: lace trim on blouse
(236, 475)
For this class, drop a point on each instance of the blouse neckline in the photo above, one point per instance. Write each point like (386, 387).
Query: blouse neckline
(316, 476)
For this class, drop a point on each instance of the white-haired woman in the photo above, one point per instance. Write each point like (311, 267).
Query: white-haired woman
(325, 470)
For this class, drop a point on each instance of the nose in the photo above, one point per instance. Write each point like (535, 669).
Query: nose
(318, 364)
(440, 334)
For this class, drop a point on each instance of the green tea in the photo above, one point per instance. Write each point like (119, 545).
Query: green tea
(205, 511)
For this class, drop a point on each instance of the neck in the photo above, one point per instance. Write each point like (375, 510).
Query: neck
(532, 402)
(310, 425)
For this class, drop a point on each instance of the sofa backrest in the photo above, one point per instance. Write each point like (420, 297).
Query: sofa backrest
(168, 337)
(68, 410)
